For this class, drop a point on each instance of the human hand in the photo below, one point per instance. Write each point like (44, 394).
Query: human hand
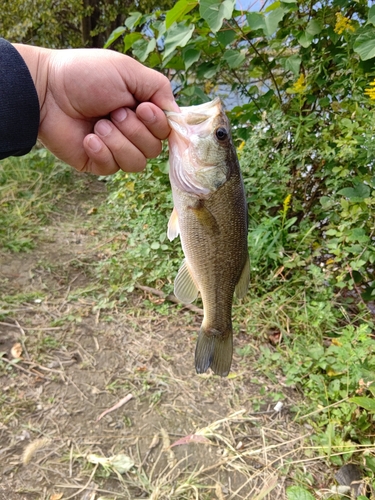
(99, 110)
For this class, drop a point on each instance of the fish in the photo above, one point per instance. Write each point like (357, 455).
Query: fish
(210, 215)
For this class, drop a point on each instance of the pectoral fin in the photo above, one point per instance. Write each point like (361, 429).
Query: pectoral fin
(184, 287)
(243, 283)
(205, 217)
(173, 226)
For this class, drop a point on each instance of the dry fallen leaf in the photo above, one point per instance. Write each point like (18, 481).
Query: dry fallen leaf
(191, 438)
(16, 350)
(56, 496)
(120, 463)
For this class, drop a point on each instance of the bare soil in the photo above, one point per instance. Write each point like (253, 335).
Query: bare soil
(78, 360)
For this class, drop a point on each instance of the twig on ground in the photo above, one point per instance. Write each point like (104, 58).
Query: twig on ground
(22, 339)
(170, 298)
(116, 406)
(86, 485)
(16, 365)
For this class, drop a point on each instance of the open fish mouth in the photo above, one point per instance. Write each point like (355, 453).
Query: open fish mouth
(194, 115)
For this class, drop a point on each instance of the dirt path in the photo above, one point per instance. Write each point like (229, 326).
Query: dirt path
(78, 361)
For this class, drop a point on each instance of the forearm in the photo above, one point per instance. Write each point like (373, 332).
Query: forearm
(19, 104)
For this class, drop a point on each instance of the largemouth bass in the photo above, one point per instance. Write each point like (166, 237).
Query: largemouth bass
(210, 215)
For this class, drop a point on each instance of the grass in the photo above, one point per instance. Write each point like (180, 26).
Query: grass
(299, 341)
(30, 187)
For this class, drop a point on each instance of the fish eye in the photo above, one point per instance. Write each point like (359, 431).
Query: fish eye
(221, 133)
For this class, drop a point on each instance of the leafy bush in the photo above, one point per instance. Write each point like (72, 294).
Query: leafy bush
(297, 78)
(139, 206)
(299, 71)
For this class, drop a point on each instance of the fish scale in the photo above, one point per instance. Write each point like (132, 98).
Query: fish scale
(210, 215)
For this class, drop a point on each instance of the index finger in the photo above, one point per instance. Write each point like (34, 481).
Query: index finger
(149, 85)
(154, 119)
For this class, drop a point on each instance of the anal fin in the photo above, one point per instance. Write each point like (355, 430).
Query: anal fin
(243, 283)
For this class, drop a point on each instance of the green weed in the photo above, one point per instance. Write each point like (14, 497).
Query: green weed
(29, 189)
(139, 206)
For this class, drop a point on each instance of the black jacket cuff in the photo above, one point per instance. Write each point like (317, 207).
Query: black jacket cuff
(19, 104)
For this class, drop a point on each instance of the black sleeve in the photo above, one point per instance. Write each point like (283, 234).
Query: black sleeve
(19, 104)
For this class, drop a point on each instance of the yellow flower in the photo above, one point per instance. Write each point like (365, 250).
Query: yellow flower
(241, 146)
(286, 204)
(371, 92)
(208, 86)
(343, 24)
(300, 85)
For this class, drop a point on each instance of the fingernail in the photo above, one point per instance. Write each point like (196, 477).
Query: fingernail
(175, 107)
(94, 144)
(146, 115)
(119, 115)
(103, 128)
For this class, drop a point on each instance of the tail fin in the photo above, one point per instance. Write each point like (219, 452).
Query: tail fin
(214, 350)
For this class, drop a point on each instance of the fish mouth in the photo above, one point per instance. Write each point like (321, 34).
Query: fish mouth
(194, 120)
(194, 115)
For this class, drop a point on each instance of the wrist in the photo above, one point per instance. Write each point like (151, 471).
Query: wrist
(36, 59)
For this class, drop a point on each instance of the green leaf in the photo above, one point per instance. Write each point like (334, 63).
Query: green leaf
(316, 352)
(142, 48)
(371, 15)
(130, 39)
(273, 6)
(133, 19)
(234, 58)
(190, 56)
(272, 20)
(177, 36)
(153, 60)
(292, 64)
(313, 27)
(114, 36)
(305, 40)
(298, 493)
(364, 45)
(370, 462)
(255, 20)
(215, 11)
(177, 12)
(207, 70)
(366, 403)
(194, 95)
(357, 265)
(158, 28)
(226, 37)
(358, 234)
(358, 192)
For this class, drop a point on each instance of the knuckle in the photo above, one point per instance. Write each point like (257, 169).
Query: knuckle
(130, 160)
